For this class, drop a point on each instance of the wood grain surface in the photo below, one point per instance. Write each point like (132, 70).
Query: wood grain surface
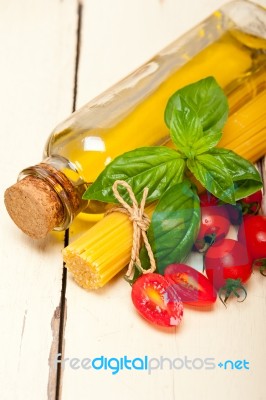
(55, 56)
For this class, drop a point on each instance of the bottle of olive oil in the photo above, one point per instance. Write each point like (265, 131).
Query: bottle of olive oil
(230, 45)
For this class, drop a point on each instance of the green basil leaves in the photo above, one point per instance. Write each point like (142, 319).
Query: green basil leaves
(195, 141)
(157, 168)
(195, 116)
(210, 172)
(245, 177)
(174, 226)
(206, 99)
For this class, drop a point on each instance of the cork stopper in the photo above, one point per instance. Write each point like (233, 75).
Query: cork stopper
(34, 206)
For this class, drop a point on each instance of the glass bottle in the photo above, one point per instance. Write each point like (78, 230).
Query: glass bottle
(229, 45)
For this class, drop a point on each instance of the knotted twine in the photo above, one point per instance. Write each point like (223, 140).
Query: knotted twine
(141, 223)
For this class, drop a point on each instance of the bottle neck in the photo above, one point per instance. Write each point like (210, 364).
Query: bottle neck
(66, 183)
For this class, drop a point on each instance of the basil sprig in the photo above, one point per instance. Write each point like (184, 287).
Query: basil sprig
(174, 226)
(195, 116)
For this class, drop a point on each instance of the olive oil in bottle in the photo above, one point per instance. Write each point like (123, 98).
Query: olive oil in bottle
(230, 45)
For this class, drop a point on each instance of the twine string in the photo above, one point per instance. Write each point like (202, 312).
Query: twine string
(141, 223)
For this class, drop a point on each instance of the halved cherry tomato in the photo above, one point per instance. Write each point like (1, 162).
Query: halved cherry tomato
(214, 225)
(228, 265)
(156, 300)
(193, 287)
(252, 234)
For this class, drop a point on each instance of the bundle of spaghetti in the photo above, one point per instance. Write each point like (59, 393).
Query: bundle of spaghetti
(245, 130)
(244, 89)
(103, 251)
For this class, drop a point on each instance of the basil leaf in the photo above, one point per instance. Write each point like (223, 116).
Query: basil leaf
(187, 133)
(174, 226)
(214, 176)
(246, 178)
(206, 99)
(154, 167)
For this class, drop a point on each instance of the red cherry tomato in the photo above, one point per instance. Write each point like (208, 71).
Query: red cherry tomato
(207, 200)
(193, 287)
(252, 234)
(235, 213)
(252, 203)
(227, 259)
(156, 300)
(214, 225)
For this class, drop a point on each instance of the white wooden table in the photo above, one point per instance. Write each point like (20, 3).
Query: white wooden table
(55, 56)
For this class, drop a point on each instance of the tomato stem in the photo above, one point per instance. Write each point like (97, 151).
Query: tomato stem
(232, 286)
(250, 208)
(262, 264)
(208, 240)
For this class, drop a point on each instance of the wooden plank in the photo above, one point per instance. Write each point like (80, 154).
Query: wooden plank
(117, 37)
(38, 46)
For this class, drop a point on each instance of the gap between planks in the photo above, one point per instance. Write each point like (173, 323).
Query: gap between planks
(58, 323)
